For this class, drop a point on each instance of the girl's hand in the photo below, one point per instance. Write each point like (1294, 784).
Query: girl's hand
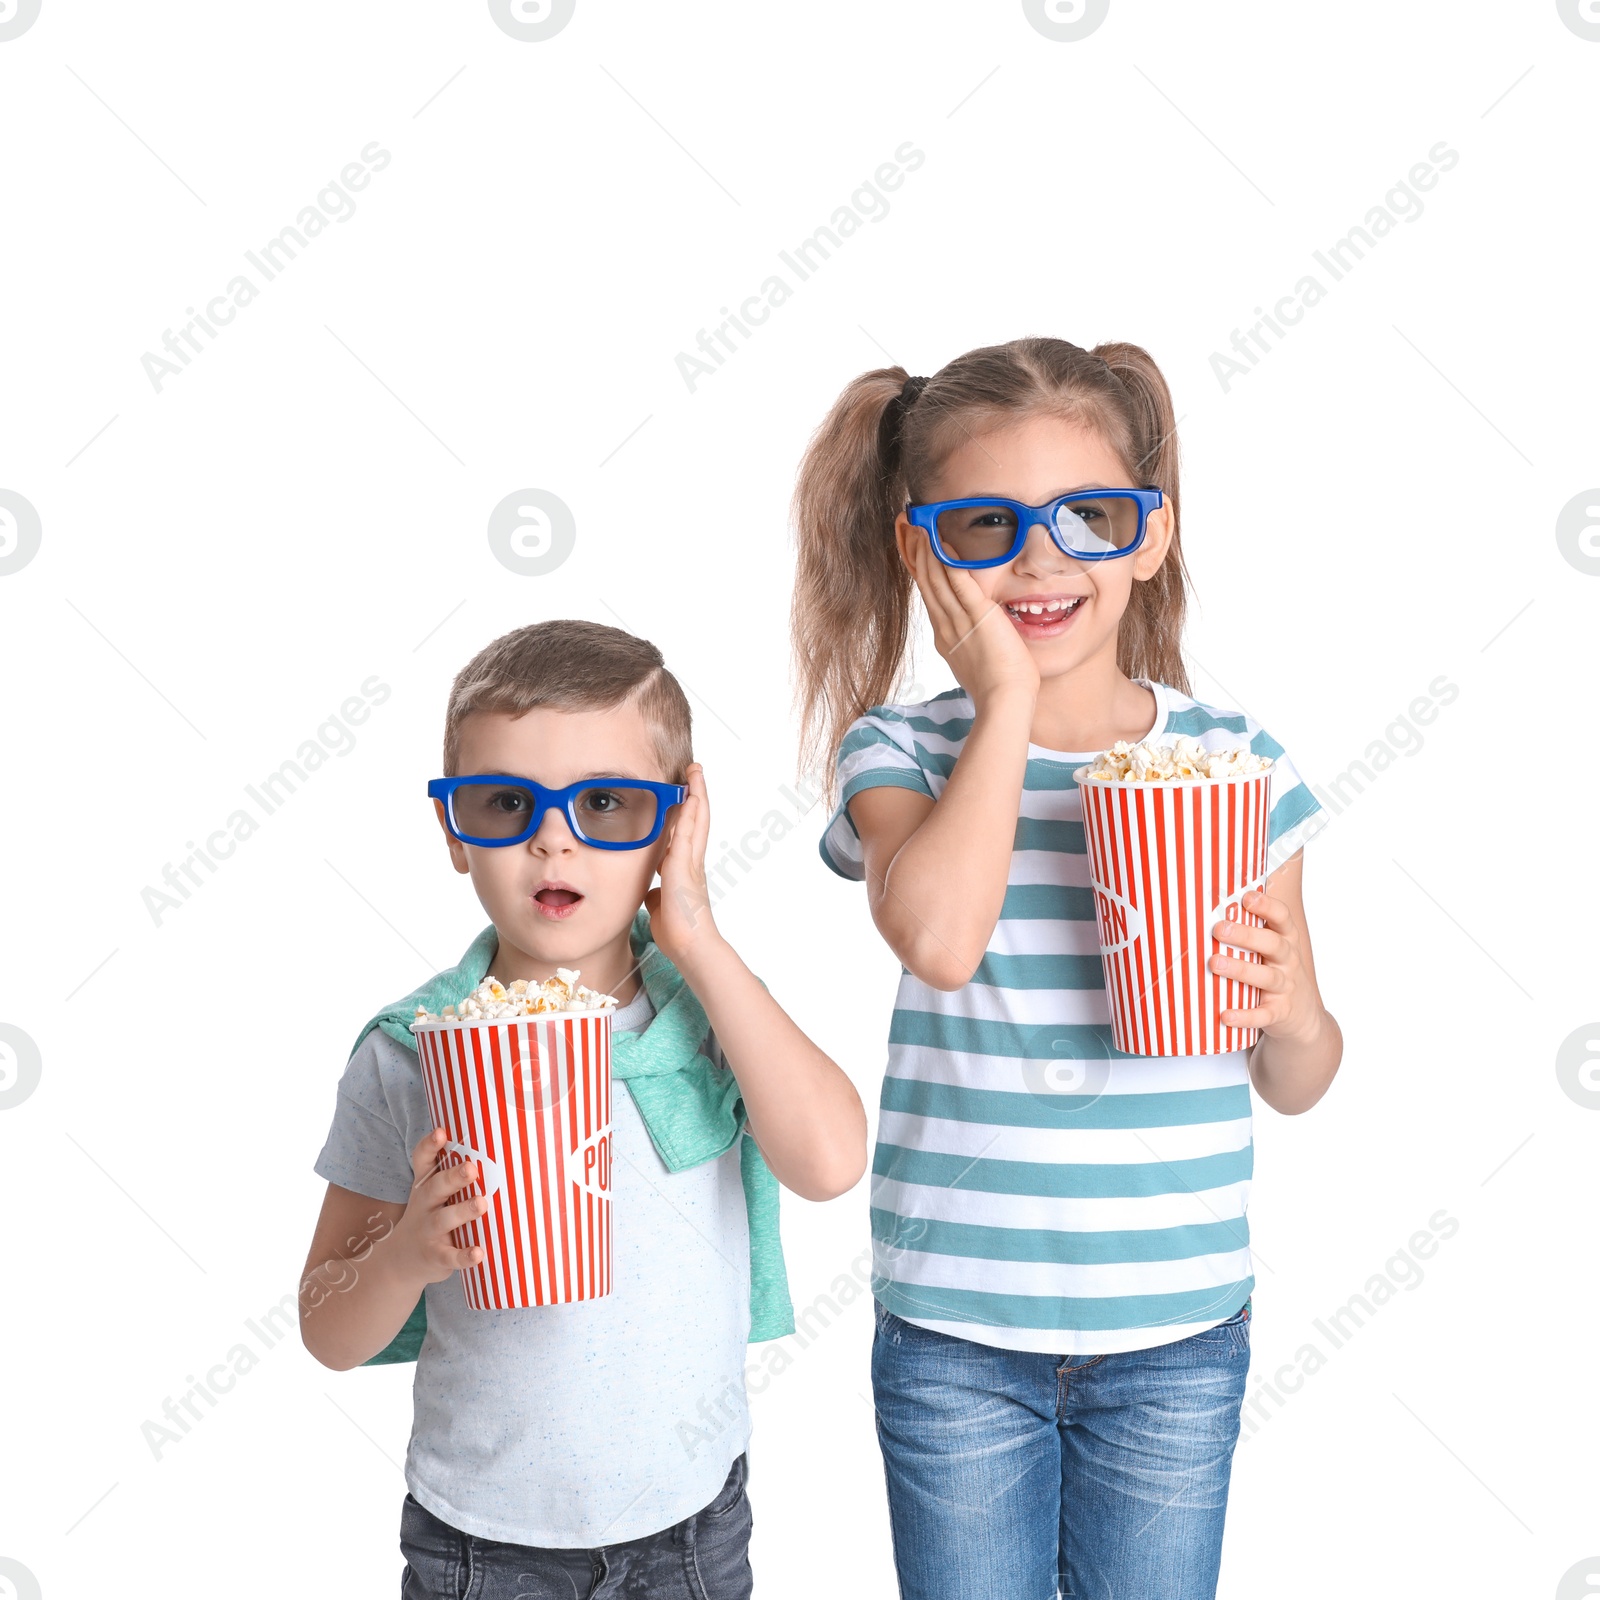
(971, 631)
(680, 907)
(1290, 1007)
(421, 1238)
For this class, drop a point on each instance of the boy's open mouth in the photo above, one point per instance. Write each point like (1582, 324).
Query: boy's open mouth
(556, 900)
(1042, 616)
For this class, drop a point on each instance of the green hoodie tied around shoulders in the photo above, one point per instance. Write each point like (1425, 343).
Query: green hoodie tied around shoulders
(690, 1108)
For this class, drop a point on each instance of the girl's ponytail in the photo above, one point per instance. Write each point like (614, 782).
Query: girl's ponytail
(1148, 642)
(851, 614)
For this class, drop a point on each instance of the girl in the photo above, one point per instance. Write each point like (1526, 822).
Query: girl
(1061, 1258)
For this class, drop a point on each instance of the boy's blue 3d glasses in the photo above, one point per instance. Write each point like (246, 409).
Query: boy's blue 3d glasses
(609, 813)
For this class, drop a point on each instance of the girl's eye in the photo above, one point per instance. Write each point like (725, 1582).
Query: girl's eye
(991, 519)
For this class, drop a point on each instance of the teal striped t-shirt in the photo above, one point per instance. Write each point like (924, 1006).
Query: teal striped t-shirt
(1033, 1187)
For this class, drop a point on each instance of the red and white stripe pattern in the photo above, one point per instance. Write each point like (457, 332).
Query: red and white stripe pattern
(1166, 860)
(531, 1099)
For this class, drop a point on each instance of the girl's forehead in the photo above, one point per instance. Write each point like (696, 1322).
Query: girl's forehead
(1031, 459)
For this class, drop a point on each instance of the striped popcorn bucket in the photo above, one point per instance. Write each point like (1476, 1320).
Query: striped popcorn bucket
(530, 1100)
(1167, 860)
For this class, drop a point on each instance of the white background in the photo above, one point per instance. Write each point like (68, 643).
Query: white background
(224, 562)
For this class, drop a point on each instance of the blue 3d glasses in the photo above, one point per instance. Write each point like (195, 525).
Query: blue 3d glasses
(986, 531)
(609, 813)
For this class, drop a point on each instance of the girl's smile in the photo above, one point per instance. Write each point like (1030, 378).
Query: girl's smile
(1044, 616)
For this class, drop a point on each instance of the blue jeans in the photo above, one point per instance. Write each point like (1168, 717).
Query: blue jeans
(1099, 1477)
(704, 1557)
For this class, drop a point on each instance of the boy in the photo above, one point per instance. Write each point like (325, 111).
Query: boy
(547, 1452)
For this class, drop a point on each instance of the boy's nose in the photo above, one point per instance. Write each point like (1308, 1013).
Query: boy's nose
(553, 832)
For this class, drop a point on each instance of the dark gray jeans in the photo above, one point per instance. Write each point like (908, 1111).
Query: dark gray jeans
(704, 1557)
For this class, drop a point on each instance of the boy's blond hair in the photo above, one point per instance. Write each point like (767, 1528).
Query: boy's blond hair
(570, 665)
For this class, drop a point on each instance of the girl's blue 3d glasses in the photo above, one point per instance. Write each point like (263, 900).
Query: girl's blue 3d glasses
(984, 531)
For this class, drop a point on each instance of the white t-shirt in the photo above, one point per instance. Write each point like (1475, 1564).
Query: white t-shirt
(578, 1425)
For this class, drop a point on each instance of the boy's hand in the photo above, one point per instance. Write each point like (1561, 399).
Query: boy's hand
(421, 1239)
(680, 908)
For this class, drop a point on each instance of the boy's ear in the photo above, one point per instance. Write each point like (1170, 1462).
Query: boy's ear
(458, 852)
(658, 851)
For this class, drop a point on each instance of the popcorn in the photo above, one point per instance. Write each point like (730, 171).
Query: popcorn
(493, 1001)
(1184, 757)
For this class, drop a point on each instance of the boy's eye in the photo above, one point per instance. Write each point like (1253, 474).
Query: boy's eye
(509, 802)
(617, 815)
